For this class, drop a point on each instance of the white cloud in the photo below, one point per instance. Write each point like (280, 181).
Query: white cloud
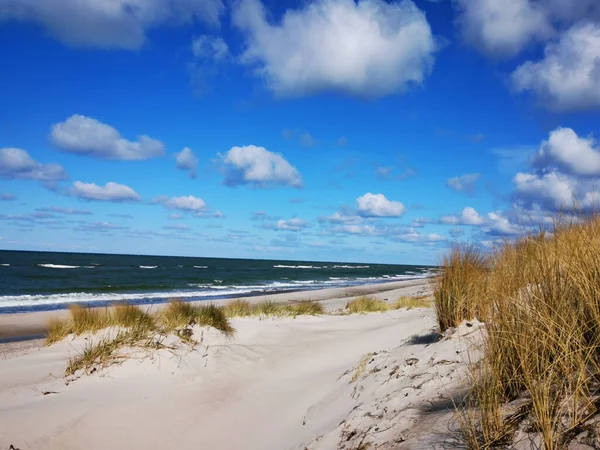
(370, 48)
(174, 216)
(569, 153)
(259, 167)
(502, 28)
(464, 183)
(111, 192)
(469, 216)
(498, 225)
(86, 136)
(66, 211)
(341, 218)
(18, 164)
(183, 203)
(210, 47)
(109, 23)
(187, 160)
(552, 190)
(377, 205)
(360, 230)
(291, 225)
(568, 77)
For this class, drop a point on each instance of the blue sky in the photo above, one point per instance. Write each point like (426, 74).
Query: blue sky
(313, 130)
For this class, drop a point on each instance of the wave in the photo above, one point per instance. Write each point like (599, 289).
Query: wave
(5, 265)
(350, 267)
(57, 266)
(200, 267)
(148, 267)
(283, 266)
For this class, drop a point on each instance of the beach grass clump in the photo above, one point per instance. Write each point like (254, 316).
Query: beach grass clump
(268, 308)
(459, 290)
(88, 320)
(214, 316)
(238, 308)
(306, 308)
(365, 304)
(131, 316)
(58, 329)
(541, 348)
(178, 314)
(411, 302)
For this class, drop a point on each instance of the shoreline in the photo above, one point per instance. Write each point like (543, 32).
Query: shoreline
(22, 326)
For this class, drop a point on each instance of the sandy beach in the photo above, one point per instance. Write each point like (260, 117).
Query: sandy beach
(310, 382)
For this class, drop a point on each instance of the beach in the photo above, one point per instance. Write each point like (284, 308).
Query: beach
(309, 382)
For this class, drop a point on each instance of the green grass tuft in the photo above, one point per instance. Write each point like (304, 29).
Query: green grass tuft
(366, 304)
(411, 303)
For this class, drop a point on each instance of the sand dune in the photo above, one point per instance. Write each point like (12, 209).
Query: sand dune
(325, 382)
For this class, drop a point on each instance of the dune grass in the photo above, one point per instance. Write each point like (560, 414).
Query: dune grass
(238, 308)
(131, 316)
(306, 308)
(411, 302)
(540, 297)
(365, 304)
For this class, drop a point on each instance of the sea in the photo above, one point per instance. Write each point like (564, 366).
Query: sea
(37, 281)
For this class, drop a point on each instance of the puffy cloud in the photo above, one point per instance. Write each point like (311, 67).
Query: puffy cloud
(469, 216)
(337, 218)
(502, 29)
(187, 160)
(464, 183)
(377, 205)
(568, 77)
(498, 225)
(360, 230)
(259, 167)
(184, 203)
(86, 136)
(414, 236)
(111, 192)
(18, 164)
(290, 225)
(370, 47)
(569, 153)
(109, 24)
(552, 190)
(210, 47)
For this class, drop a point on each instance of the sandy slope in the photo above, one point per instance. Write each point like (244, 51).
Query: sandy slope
(301, 383)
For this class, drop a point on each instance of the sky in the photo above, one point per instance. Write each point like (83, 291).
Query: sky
(322, 130)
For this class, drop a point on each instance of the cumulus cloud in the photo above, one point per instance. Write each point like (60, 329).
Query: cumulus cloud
(552, 190)
(570, 153)
(502, 28)
(18, 164)
(184, 203)
(369, 48)
(111, 192)
(87, 136)
(187, 160)
(109, 24)
(377, 205)
(464, 183)
(258, 167)
(289, 225)
(337, 218)
(568, 76)
(469, 216)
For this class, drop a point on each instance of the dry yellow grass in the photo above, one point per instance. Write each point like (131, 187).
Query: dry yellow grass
(540, 296)
(365, 304)
(238, 308)
(411, 303)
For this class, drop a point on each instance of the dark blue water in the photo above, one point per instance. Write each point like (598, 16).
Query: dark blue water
(32, 281)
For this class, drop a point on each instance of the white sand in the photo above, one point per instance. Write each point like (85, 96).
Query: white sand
(279, 384)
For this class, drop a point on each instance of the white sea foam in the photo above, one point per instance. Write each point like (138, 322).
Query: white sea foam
(350, 267)
(200, 267)
(148, 267)
(57, 266)
(5, 265)
(283, 266)
(89, 267)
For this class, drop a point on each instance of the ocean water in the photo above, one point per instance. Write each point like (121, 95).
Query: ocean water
(34, 281)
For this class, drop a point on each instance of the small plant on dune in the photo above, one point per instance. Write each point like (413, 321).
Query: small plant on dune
(267, 308)
(84, 319)
(366, 304)
(58, 329)
(458, 291)
(411, 303)
(238, 308)
(306, 308)
(130, 316)
(213, 316)
(177, 314)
